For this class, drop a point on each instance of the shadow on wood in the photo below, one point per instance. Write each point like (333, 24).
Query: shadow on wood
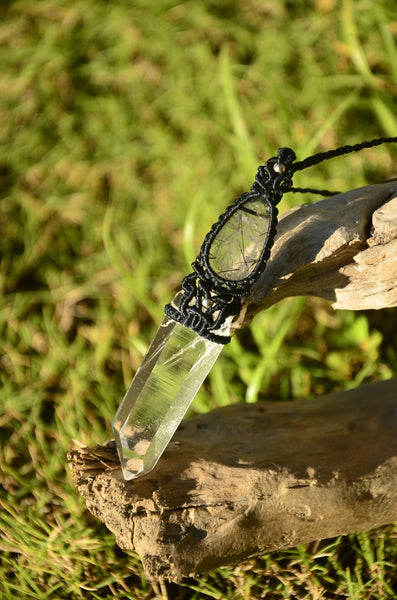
(249, 479)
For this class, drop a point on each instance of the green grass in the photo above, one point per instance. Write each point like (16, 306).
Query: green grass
(125, 129)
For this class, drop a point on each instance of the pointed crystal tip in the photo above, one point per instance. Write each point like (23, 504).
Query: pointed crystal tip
(171, 373)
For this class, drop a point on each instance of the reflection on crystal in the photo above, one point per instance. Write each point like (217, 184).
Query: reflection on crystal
(238, 246)
(163, 388)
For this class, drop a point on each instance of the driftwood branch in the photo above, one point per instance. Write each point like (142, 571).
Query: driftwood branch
(342, 249)
(249, 479)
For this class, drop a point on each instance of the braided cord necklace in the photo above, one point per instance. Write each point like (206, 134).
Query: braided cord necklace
(198, 321)
(237, 247)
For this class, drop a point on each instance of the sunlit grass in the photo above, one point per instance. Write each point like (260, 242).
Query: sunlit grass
(125, 130)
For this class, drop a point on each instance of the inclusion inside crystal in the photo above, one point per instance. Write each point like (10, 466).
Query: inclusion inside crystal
(172, 371)
(238, 247)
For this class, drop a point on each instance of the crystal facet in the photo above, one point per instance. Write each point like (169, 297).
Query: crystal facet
(171, 373)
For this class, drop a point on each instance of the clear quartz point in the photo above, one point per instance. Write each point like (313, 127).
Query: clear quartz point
(171, 373)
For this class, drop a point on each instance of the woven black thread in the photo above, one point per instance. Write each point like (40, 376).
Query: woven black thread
(348, 149)
(208, 298)
(296, 190)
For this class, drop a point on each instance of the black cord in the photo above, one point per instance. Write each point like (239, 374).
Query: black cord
(321, 156)
(296, 190)
(221, 279)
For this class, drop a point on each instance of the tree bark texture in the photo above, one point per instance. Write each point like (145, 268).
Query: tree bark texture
(248, 479)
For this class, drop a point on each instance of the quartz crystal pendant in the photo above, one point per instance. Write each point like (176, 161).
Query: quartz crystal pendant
(171, 373)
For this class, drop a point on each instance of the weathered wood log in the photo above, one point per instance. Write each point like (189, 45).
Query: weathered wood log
(249, 479)
(342, 249)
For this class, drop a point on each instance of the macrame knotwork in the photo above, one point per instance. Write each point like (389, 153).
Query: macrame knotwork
(236, 249)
